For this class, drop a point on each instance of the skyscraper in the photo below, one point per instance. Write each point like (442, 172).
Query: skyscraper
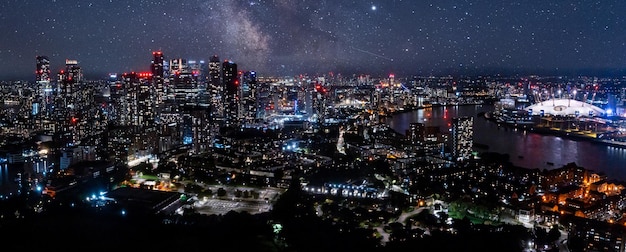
(214, 87)
(215, 71)
(70, 101)
(157, 64)
(67, 80)
(158, 73)
(462, 137)
(157, 69)
(230, 84)
(72, 73)
(45, 102)
(43, 69)
(249, 97)
(182, 82)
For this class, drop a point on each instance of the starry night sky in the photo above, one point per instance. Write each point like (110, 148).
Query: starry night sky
(288, 37)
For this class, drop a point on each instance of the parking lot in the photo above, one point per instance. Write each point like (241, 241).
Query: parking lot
(229, 202)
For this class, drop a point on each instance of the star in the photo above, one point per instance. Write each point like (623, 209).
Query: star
(111, 35)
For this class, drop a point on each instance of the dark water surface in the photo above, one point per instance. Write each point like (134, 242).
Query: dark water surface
(526, 149)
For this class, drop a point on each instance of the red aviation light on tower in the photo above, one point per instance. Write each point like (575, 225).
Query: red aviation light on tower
(144, 75)
(391, 76)
(320, 89)
(74, 120)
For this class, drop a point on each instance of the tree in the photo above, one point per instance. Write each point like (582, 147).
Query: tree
(541, 235)
(462, 226)
(221, 192)
(238, 193)
(554, 234)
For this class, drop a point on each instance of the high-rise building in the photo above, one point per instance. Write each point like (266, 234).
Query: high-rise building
(182, 83)
(215, 71)
(319, 103)
(68, 81)
(137, 107)
(158, 75)
(230, 84)
(195, 67)
(45, 101)
(249, 97)
(72, 97)
(157, 64)
(43, 69)
(72, 73)
(462, 137)
(214, 87)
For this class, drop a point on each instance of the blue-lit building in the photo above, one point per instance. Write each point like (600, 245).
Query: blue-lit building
(230, 83)
(249, 102)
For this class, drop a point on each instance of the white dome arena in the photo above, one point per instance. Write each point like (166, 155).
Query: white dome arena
(565, 107)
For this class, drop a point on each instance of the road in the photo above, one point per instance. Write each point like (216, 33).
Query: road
(404, 215)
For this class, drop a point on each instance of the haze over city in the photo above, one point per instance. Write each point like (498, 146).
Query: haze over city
(293, 37)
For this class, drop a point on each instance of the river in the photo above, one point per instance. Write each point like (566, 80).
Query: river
(526, 149)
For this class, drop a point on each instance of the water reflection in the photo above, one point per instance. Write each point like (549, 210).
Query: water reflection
(525, 149)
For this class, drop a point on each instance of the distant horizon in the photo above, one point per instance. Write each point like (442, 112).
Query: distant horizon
(588, 72)
(283, 38)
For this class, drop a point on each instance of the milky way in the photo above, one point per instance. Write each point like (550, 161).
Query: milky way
(285, 37)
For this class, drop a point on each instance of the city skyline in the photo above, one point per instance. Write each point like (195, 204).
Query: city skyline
(287, 38)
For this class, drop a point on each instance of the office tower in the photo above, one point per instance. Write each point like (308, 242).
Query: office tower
(230, 87)
(158, 75)
(69, 80)
(319, 103)
(249, 97)
(215, 71)
(43, 69)
(117, 94)
(157, 64)
(214, 87)
(45, 101)
(70, 101)
(183, 86)
(67, 86)
(138, 106)
(195, 67)
(462, 137)
(308, 101)
(72, 72)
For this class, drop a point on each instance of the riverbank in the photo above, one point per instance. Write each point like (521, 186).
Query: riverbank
(435, 105)
(560, 133)
(536, 149)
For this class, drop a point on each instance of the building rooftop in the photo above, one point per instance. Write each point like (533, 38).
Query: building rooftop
(565, 107)
(145, 199)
